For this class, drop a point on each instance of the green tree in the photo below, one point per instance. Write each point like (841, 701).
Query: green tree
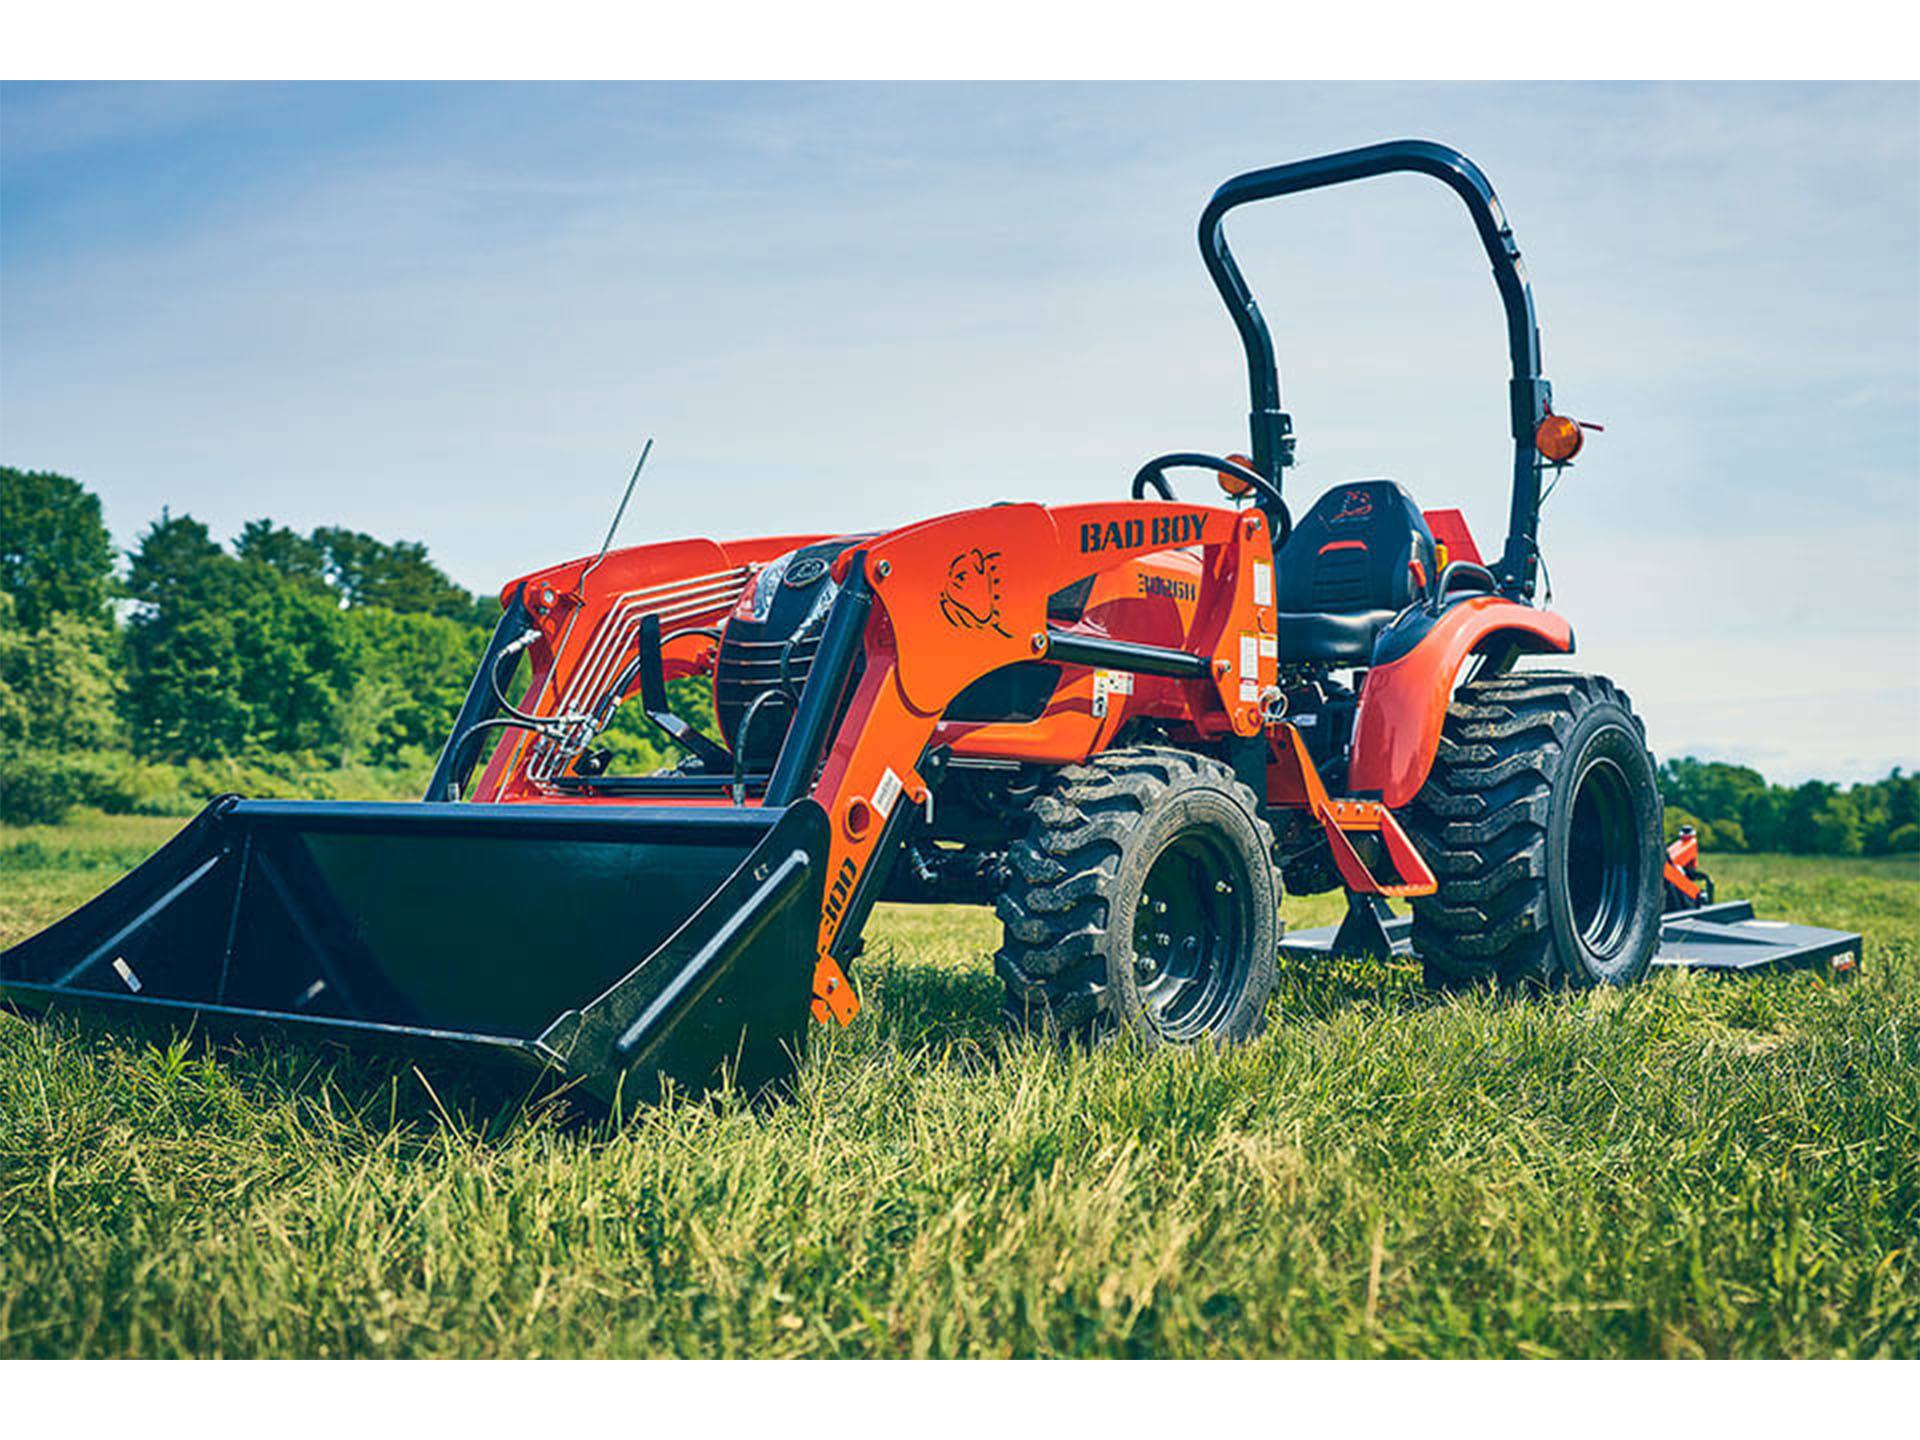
(185, 670)
(1834, 826)
(419, 666)
(57, 684)
(57, 694)
(398, 575)
(56, 557)
(286, 552)
(296, 661)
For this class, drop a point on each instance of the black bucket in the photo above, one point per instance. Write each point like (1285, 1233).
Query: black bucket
(601, 942)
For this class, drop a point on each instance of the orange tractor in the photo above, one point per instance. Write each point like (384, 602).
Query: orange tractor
(1132, 725)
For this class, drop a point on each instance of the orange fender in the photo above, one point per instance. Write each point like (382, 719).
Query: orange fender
(1396, 732)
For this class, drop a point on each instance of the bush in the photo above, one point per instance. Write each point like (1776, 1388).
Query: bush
(123, 784)
(37, 790)
(1678, 819)
(1728, 834)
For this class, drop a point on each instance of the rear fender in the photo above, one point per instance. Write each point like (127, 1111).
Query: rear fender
(1417, 664)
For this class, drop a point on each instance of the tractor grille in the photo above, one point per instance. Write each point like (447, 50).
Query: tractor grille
(752, 653)
(749, 666)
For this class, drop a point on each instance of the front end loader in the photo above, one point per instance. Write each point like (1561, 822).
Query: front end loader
(1132, 726)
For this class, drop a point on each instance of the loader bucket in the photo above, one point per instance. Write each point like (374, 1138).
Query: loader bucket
(654, 942)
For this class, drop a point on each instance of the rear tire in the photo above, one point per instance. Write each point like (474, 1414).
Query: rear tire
(1541, 819)
(1143, 898)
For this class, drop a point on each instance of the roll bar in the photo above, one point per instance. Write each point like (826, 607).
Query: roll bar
(1529, 393)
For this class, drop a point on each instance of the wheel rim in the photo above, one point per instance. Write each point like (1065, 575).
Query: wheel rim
(1189, 937)
(1603, 859)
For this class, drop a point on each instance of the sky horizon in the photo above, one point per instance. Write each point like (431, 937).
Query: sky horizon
(453, 313)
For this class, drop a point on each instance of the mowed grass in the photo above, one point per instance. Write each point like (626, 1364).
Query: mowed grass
(1697, 1167)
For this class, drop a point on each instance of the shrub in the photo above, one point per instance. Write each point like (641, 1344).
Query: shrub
(37, 789)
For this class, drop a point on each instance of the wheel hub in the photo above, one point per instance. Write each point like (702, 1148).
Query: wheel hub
(1189, 937)
(1603, 858)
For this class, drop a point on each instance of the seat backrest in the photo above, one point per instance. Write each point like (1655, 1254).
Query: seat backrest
(1355, 550)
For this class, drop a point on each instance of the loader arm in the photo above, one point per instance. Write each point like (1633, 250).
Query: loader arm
(950, 600)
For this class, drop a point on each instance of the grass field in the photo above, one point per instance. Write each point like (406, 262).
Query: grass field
(1696, 1167)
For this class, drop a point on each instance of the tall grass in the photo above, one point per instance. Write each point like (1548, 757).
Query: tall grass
(1696, 1167)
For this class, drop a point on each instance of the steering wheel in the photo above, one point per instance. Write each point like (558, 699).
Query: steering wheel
(1152, 475)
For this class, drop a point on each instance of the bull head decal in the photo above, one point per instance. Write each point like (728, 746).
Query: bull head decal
(971, 597)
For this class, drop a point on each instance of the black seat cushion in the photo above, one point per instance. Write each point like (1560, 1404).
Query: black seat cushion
(1342, 639)
(1348, 568)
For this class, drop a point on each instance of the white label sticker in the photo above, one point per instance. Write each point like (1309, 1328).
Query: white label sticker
(886, 792)
(1249, 690)
(1262, 584)
(1249, 657)
(1109, 682)
(1269, 648)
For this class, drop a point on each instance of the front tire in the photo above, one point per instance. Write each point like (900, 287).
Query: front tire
(1142, 898)
(1541, 819)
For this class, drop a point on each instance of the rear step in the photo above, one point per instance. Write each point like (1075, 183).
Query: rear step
(1712, 937)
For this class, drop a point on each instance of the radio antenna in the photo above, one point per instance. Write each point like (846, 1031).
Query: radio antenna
(606, 544)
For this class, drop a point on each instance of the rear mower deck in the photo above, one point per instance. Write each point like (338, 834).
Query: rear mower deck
(1723, 937)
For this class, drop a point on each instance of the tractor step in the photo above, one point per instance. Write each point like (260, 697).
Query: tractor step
(1295, 781)
(1725, 936)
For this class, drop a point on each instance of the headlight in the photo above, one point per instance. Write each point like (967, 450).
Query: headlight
(757, 599)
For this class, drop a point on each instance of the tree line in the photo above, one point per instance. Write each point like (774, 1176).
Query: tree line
(198, 666)
(327, 664)
(331, 664)
(1734, 809)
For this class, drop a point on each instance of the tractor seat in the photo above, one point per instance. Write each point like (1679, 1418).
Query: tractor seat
(1359, 557)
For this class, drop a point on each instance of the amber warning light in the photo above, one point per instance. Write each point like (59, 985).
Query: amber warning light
(1559, 437)
(1233, 484)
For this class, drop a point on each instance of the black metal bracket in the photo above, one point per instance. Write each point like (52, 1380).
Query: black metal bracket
(1363, 930)
(653, 700)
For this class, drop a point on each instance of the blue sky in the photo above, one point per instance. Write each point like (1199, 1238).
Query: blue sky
(453, 313)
